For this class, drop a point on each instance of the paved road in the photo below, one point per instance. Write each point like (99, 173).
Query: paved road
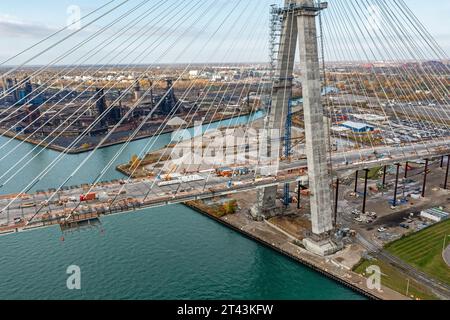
(149, 193)
(440, 289)
(446, 256)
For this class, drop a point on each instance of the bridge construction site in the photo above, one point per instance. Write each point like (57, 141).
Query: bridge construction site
(334, 162)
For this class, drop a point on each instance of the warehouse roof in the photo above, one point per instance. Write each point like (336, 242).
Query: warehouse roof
(356, 125)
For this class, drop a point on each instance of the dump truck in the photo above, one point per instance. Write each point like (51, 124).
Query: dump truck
(224, 172)
(88, 197)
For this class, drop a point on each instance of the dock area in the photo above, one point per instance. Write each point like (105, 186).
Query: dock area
(281, 242)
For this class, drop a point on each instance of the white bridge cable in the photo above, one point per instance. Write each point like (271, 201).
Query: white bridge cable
(206, 131)
(273, 75)
(384, 75)
(86, 71)
(160, 129)
(420, 29)
(109, 83)
(67, 27)
(68, 52)
(173, 112)
(336, 28)
(416, 46)
(224, 130)
(413, 109)
(235, 145)
(152, 186)
(61, 155)
(245, 135)
(438, 115)
(202, 14)
(88, 129)
(65, 55)
(147, 148)
(414, 49)
(333, 51)
(206, 151)
(90, 54)
(64, 152)
(199, 101)
(391, 56)
(379, 82)
(131, 137)
(337, 52)
(350, 32)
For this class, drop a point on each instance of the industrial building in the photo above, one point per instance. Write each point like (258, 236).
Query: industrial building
(435, 214)
(166, 102)
(370, 117)
(358, 127)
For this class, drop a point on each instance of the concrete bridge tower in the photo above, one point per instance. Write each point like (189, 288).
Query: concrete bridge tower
(299, 23)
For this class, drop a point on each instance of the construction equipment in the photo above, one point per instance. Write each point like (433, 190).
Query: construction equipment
(168, 176)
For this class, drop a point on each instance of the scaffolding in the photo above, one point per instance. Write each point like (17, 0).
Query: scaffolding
(276, 24)
(288, 148)
(274, 39)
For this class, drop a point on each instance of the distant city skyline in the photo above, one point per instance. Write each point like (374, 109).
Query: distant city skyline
(24, 23)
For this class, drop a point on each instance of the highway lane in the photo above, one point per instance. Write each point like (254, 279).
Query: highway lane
(439, 288)
(148, 193)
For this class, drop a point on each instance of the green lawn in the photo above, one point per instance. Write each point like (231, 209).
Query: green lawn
(396, 280)
(423, 250)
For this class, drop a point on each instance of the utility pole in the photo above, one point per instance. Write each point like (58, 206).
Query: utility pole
(336, 202)
(396, 185)
(446, 173)
(384, 176)
(407, 288)
(365, 191)
(425, 178)
(445, 241)
(406, 169)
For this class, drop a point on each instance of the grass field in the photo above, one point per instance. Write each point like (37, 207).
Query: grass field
(396, 280)
(423, 250)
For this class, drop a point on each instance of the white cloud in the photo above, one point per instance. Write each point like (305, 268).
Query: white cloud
(11, 26)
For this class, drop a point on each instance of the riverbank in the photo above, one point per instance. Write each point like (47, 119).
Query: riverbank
(168, 252)
(267, 234)
(83, 148)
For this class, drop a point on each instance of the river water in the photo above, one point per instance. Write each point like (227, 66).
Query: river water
(163, 253)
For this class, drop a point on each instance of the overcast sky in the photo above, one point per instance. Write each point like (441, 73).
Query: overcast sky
(212, 31)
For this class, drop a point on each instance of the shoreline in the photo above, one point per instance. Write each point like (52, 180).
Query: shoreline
(272, 238)
(304, 260)
(79, 150)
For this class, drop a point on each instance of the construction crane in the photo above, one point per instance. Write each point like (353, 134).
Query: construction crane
(288, 149)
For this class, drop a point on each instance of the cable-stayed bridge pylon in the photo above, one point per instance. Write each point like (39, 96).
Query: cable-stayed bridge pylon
(376, 99)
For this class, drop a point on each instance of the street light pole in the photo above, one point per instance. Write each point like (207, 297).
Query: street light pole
(407, 288)
(445, 240)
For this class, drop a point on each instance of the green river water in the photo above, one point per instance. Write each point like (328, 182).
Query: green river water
(164, 253)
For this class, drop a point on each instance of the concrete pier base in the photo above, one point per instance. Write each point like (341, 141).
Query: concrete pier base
(322, 248)
(266, 204)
